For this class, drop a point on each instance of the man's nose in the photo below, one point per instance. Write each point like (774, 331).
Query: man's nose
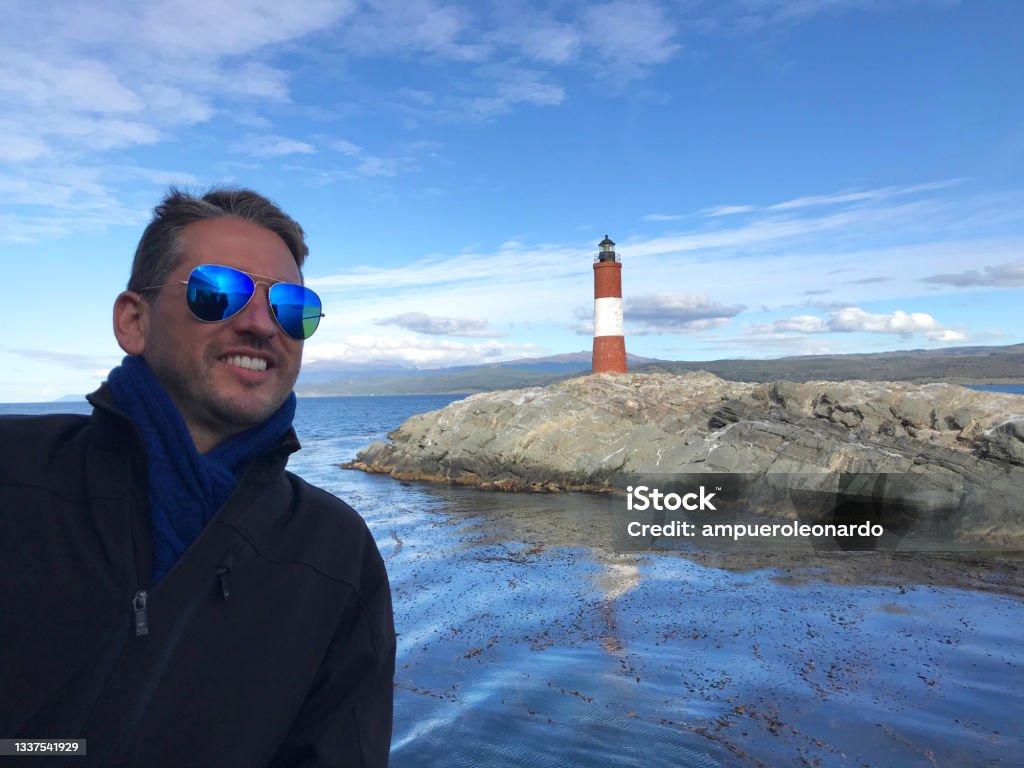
(256, 317)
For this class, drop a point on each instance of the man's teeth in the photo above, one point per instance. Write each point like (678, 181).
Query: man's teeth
(242, 361)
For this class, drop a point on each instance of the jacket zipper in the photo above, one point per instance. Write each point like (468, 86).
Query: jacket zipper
(139, 619)
(141, 613)
(149, 685)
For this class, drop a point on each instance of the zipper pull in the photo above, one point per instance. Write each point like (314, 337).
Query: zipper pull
(141, 618)
(224, 575)
(225, 585)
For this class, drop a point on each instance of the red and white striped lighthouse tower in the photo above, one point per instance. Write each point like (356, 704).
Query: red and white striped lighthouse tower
(609, 340)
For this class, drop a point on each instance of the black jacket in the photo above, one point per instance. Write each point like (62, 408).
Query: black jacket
(270, 643)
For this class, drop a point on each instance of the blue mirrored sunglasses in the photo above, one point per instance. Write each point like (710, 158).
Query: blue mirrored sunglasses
(216, 293)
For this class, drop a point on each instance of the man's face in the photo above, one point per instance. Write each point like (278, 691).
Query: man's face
(198, 362)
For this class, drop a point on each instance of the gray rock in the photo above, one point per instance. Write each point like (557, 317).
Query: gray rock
(950, 459)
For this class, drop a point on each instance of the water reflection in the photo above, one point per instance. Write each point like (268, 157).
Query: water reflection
(526, 641)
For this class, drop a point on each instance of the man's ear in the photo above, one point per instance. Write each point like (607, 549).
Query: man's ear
(131, 322)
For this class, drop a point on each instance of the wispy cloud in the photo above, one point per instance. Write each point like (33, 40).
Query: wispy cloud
(81, 82)
(871, 280)
(273, 146)
(73, 360)
(728, 210)
(783, 260)
(676, 313)
(507, 88)
(443, 29)
(367, 164)
(663, 217)
(545, 39)
(413, 350)
(54, 202)
(630, 35)
(421, 322)
(756, 16)
(110, 76)
(997, 276)
(839, 198)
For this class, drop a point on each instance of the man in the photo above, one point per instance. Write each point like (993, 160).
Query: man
(167, 591)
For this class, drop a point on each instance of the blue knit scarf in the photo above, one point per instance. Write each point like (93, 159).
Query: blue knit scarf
(186, 488)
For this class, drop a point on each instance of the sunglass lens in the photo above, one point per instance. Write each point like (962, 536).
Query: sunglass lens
(296, 308)
(217, 293)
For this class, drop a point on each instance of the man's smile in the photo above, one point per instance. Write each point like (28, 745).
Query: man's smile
(247, 362)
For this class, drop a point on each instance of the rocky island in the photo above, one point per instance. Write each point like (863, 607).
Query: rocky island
(952, 458)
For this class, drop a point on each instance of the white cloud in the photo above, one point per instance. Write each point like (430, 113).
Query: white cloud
(74, 84)
(753, 16)
(273, 146)
(853, 319)
(17, 148)
(413, 350)
(251, 79)
(175, 104)
(871, 194)
(81, 81)
(217, 28)
(663, 217)
(947, 336)
(507, 88)
(402, 26)
(74, 360)
(775, 259)
(460, 272)
(73, 189)
(106, 133)
(856, 320)
(757, 232)
(839, 198)
(549, 41)
(630, 35)
(728, 210)
(347, 147)
(369, 165)
(421, 322)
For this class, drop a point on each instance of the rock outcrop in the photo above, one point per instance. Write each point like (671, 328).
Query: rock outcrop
(954, 457)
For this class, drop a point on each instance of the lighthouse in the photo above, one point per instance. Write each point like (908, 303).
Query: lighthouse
(609, 340)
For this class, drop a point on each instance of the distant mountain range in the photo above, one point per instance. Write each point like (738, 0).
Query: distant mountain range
(955, 365)
(958, 365)
(319, 380)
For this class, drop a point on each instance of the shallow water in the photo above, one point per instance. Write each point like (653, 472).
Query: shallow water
(524, 641)
(519, 648)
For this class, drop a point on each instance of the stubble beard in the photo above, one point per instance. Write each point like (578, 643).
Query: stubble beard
(210, 413)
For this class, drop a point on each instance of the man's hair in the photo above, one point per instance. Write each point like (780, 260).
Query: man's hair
(160, 248)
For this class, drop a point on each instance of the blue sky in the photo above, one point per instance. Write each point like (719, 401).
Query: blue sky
(781, 176)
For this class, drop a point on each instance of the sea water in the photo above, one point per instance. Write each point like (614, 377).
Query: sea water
(523, 641)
